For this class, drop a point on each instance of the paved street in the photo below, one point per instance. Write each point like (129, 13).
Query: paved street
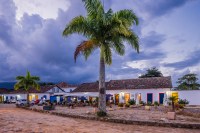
(18, 120)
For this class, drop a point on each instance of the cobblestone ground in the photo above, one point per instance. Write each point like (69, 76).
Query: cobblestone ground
(140, 113)
(18, 120)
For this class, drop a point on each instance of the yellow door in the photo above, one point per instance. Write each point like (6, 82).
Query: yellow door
(126, 97)
(30, 97)
(175, 94)
(36, 97)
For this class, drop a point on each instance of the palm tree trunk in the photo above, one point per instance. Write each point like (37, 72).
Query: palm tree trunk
(102, 89)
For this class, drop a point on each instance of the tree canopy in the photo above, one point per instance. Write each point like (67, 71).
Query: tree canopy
(152, 72)
(188, 82)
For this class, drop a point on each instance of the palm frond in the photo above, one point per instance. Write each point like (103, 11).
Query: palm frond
(86, 47)
(94, 9)
(127, 17)
(79, 25)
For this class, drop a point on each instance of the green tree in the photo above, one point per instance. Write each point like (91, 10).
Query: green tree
(27, 82)
(188, 82)
(152, 72)
(105, 31)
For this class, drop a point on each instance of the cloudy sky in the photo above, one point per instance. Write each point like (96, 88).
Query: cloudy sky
(31, 39)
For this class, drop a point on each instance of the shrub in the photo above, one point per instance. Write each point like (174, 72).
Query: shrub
(131, 102)
(183, 101)
(156, 103)
(127, 105)
(120, 104)
(101, 114)
(149, 103)
(143, 103)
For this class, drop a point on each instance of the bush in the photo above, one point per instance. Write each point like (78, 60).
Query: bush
(120, 104)
(143, 103)
(101, 114)
(183, 101)
(127, 105)
(156, 103)
(149, 103)
(131, 102)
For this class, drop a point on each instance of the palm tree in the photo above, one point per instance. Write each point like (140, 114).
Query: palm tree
(105, 31)
(173, 99)
(27, 82)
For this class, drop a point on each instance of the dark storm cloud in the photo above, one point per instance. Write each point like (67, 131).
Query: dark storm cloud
(153, 8)
(153, 39)
(38, 46)
(192, 60)
(161, 7)
(146, 56)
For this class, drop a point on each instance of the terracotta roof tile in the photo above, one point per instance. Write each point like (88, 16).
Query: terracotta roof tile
(140, 83)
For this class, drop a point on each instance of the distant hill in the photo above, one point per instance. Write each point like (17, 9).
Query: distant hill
(7, 85)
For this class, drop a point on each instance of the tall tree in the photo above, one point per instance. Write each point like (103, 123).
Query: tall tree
(27, 82)
(188, 82)
(105, 31)
(152, 72)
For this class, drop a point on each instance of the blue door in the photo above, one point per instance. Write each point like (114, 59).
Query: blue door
(150, 97)
(161, 97)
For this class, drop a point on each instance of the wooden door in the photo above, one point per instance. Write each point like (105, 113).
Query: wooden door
(126, 97)
(116, 99)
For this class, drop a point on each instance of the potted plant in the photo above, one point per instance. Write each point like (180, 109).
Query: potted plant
(127, 105)
(131, 102)
(156, 104)
(183, 102)
(120, 105)
(148, 106)
(172, 114)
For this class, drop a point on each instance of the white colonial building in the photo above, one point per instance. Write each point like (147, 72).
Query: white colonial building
(46, 92)
(141, 89)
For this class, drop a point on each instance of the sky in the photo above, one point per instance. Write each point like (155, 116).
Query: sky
(31, 39)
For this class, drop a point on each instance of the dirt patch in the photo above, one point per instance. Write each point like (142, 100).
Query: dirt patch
(23, 121)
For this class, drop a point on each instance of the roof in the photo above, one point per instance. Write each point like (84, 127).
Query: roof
(139, 83)
(4, 90)
(43, 89)
(65, 85)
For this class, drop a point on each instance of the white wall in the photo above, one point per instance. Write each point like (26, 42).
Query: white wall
(68, 89)
(133, 93)
(24, 96)
(193, 96)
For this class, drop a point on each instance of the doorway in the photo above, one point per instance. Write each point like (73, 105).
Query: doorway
(175, 94)
(116, 99)
(126, 97)
(150, 97)
(161, 97)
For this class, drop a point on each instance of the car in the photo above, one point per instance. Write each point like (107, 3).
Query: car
(12, 100)
(23, 102)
